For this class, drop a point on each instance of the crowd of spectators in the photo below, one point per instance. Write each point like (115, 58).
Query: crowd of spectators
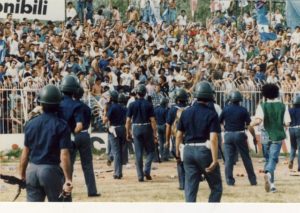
(110, 52)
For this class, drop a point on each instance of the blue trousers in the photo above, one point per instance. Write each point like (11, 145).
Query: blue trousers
(181, 175)
(295, 144)
(110, 155)
(271, 151)
(161, 129)
(237, 141)
(143, 140)
(195, 160)
(44, 181)
(118, 148)
(80, 10)
(180, 167)
(83, 145)
(90, 11)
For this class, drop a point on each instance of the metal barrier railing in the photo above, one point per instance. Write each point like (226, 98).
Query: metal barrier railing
(16, 105)
(251, 99)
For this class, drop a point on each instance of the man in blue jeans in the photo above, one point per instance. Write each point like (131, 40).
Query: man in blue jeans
(144, 132)
(295, 132)
(234, 118)
(199, 126)
(83, 5)
(275, 116)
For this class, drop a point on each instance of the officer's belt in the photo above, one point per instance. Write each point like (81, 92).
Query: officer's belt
(242, 131)
(201, 142)
(294, 126)
(195, 144)
(117, 126)
(141, 124)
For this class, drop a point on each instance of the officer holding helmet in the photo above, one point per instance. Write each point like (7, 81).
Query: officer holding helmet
(141, 115)
(83, 145)
(116, 117)
(181, 99)
(235, 118)
(45, 162)
(199, 126)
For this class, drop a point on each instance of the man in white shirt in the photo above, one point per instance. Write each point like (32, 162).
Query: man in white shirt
(182, 19)
(126, 79)
(71, 11)
(296, 36)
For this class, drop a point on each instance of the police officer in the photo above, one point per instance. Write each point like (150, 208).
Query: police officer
(141, 114)
(161, 113)
(181, 99)
(70, 110)
(199, 125)
(295, 132)
(46, 158)
(235, 118)
(83, 145)
(116, 116)
(122, 100)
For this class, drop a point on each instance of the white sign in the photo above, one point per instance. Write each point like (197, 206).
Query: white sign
(53, 10)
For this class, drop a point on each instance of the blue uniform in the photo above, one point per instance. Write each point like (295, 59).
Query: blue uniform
(116, 115)
(170, 120)
(236, 118)
(70, 111)
(295, 134)
(212, 106)
(45, 136)
(83, 145)
(196, 123)
(161, 119)
(140, 111)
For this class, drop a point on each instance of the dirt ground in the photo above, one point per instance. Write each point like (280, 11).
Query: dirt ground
(164, 186)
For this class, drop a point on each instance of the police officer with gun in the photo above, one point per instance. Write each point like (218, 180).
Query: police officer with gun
(234, 118)
(181, 98)
(198, 129)
(116, 117)
(141, 115)
(45, 162)
(83, 145)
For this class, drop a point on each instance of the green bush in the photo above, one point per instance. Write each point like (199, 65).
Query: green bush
(14, 153)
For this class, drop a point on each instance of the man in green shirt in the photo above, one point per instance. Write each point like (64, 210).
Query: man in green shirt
(275, 116)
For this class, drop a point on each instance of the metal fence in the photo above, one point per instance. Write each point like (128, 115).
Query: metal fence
(16, 106)
(251, 99)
